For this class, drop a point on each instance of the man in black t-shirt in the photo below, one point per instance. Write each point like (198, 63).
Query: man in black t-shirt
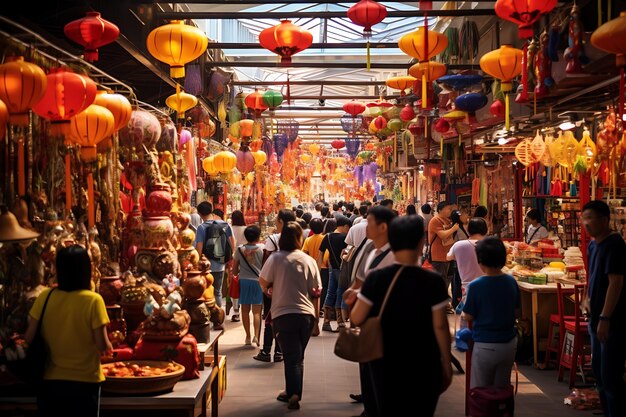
(334, 243)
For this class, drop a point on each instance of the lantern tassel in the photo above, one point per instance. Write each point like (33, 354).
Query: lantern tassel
(424, 89)
(368, 54)
(621, 93)
(68, 185)
(91, 204)
(21, 174)
(506, 111)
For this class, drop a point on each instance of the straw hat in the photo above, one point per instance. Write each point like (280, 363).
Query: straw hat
(10, 229)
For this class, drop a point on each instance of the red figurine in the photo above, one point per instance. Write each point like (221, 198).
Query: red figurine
(575, 53)
(543, 67)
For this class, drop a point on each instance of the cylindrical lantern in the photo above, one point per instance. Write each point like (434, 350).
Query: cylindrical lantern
(285, 40)
(177, 44)
(180, 102)
(91, 32)
(67, 94)
(22, 85)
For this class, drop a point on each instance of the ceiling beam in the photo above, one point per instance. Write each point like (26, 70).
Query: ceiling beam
(322, 45)
(307, 82)
(316, 15)
(246, 2)
(358, 65)
(343, 97)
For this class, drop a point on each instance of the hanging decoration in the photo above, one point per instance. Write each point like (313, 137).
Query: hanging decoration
(117, 104)
(354, 108)
(423, 44)
(224, 161)
(338, 144)
(281, 142)
(543, 67)
(610, 38)
(367, 13)
(193, 80)
(285, 40)
(351, 124)
(177, 44)
(575, 52)
(22, 85)
(407, 113)
(272, 100)
(402, 83)
(91, 32)
(180, 102)
(524, 13)
(67, 94)
(353, 146)
(87, 129)
(255, 102)
(289, 128)
(4, 119)
(504, 64)
(431, 71)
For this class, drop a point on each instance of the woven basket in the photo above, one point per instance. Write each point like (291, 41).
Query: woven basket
(133, 385)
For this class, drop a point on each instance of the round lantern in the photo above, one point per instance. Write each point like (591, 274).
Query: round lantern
(180, 102)
(245, 161)
(272, 99)
(401, 83)
(92, 32)
(504, 64)
(143, 128)
(395, 125)
(116, 104)
(176, 44)
(4, 119)
(367, 13)
(523, 13)
(285, 40)
(67, 94)
(245, 128)
(184, 137)
(337, 144)
(22, 85)
(314, 148)
(354, 108)
(224, 161)
(305, 158)
(442, 125)
(89, 127)
(209, 166)
(459, 82)
(255, 102)
(470, 102)
(259, 157)
(380, 122)
(610, 38)
(431, 69)
(407, 113)
(416, 129)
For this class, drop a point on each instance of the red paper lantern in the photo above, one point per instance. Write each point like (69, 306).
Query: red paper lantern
(255, 102)
(523, 13)
(407, 113)
(338, 144)
(245, 161)
(442, 125)
(285, 40)
(367, 13)
(91, 32)
(67, 94)
(416, 129)
(380, 122)
(354, 108)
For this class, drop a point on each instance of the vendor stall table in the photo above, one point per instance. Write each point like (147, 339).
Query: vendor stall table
(537, 303)
(190, 396)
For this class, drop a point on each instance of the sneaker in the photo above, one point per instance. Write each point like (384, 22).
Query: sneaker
(278, 357)
(263, 357)
(326, 327)
(294, 402)
(235, 317)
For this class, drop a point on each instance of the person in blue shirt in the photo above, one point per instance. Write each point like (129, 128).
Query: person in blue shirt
(491, 307)
(606, 305)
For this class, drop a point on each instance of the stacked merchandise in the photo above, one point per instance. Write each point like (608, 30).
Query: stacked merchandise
(575, 265)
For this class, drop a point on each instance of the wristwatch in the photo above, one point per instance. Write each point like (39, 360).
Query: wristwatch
(604, 318)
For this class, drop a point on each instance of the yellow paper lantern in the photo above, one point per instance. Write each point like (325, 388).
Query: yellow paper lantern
(224, 161)
(176, 44)
(401, 83)
(305, 158)
(259, 157)
(118, 105)
(504, 64)
(89, 127)
(221, 112)
(314, 148)
(180, 102)
(431, 69)
(414, 44)
(209, 166)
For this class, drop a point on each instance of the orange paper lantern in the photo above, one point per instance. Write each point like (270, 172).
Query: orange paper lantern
(118, 105)
(176, 44)
(22, 85)
(180, 102)
(285, 40)
(256, 102)
(89, 127)
(401, 83)
(4, 119)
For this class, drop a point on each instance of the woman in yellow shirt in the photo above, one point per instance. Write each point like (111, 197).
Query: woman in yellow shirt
(74, 329)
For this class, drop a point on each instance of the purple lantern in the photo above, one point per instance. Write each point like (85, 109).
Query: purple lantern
(352, 146)
(358, 174)
(185, 136)
(280, 144)
(289, 128)
(351, 124)
(268, 148)
(193, 80)
(369, 172)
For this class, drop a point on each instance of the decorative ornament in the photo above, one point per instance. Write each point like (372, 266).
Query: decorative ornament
(224, 161)
(176, 44)
(272, 99)
(260, 157)
(338, 144)
(504, 64)
(354, 108)
(91, 32)
(255, 102)
(367, 13)
(401, 83)
(524, 13)
(22, 85)
(285, 40)
(407, 113)
(180, 102)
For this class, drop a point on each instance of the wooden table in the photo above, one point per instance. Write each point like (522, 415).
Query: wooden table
(537, 303)
(190, 396)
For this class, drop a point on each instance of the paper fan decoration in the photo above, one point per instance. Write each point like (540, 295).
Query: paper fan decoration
(571, 145)
(546, 158)
(587, 149)
(538, 147)
(524, 153)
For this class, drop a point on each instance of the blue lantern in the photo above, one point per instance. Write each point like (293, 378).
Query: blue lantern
(459, 82)
(470, 102)
(280, 144)
(351, 124)
(352, 146)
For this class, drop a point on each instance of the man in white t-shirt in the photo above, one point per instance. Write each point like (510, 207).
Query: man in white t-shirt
(535, 231)
(464, 253)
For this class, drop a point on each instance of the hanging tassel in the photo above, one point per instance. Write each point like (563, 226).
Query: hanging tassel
(91, 202)
(21, 174)
(425, 89)
(368, 55)
(506, 110)
(426, 59)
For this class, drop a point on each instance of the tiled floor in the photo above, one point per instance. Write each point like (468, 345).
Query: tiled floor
(252, 385)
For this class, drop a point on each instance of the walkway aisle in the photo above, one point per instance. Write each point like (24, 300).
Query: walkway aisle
(252, 386)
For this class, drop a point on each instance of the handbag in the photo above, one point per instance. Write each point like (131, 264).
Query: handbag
(365, 343)
(347, 266)
(31, 368)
